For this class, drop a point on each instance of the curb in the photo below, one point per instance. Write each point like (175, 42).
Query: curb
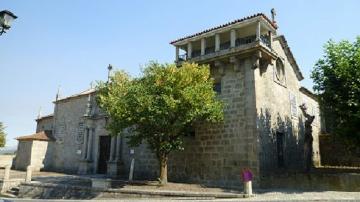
(149, 193)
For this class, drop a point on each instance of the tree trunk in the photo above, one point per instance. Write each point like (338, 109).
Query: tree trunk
(163, 169)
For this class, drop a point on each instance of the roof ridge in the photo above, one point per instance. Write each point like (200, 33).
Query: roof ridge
(84, 92)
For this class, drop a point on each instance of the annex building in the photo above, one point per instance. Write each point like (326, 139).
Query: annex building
(257, 77)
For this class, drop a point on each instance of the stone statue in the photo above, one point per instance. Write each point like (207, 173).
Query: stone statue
(308, 140)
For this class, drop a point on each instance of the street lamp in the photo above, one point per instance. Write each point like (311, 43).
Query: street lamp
(6, 18)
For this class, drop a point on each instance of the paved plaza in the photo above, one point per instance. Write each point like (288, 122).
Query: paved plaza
(261, 195)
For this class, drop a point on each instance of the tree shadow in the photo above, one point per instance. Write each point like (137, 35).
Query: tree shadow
(281, 142)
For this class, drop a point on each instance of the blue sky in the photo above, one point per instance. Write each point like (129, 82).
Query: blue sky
(70, 43)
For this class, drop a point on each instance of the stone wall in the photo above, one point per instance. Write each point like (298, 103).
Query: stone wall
(38, 153)
(334, 153)
(146, 164)
(31, 153)
(279, 117)
(65, 154)
(317, 181)
(45, 124)
(23, 155)
(217, 152)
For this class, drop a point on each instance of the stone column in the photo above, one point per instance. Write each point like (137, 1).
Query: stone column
(112, 148)
(84, 149)
(258, 31)
(176, 53)
(270, 39)
(118, 148)
(7, 172)
(28, 174)
(189, 49)
(203, 46)
(217, 42)
(89, 147)
(232, 38)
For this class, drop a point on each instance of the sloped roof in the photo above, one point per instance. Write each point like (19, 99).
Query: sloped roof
(227, 24)
(290, 56)
(45, 117)
(308, 93)
(41, 136)
(85, 92)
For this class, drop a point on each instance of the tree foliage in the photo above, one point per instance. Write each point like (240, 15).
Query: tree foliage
(337, 81)
(160, 106)
(2, 135)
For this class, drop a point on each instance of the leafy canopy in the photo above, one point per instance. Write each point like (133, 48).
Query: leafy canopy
(337, 80)
(2, 135)
(161, 105)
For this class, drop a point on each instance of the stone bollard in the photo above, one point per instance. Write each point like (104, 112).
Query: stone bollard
(7, 172)
(248, 188)
(28, 174)
(131, 173)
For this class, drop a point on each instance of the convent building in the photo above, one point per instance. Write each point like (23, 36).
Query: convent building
(257, 77)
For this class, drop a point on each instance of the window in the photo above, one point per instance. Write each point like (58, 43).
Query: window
(293, 105)
(280, 72)
(217, 87)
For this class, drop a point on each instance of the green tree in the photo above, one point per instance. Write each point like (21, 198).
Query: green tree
(337, 81)
(2, 135)
(160, 106)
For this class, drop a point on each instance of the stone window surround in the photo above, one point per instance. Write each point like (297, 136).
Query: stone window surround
(276, 80)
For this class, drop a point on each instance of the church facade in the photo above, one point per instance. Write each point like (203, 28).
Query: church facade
(257, 77)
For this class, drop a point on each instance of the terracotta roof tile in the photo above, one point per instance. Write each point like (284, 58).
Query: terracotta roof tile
(227, 24)
(41, 136)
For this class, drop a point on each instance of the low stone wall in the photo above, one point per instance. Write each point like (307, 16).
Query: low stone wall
(313, 181)
(57, 191)
(334, 153)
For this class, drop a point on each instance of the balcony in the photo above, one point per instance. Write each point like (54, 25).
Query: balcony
(225, 48)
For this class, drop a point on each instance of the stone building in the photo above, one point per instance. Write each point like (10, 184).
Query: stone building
(257, 77)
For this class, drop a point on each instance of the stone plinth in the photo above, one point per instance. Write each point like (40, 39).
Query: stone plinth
(100, 183)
